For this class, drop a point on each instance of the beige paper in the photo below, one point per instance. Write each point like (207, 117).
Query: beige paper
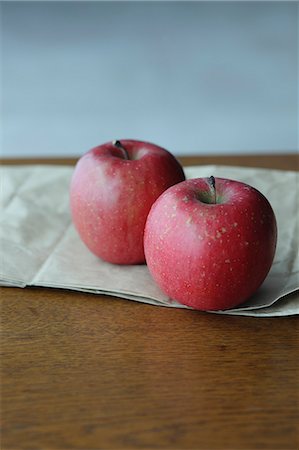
(40, 247)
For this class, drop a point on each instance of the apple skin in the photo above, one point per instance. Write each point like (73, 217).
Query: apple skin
(112, 190)
(210, 256)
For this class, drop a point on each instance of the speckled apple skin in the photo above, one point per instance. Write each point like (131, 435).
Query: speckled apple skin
(110, 196)
(210, 256)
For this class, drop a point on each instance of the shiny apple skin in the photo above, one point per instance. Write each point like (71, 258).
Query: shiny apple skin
(210, 256)
(110, 196)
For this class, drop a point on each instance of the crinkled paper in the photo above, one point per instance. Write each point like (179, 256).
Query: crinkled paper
(40, 247)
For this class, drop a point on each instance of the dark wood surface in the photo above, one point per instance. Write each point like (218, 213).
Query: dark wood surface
(288, 161)
(81, 371)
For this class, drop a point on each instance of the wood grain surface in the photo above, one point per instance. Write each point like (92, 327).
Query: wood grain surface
(288, 161)
(82, 371)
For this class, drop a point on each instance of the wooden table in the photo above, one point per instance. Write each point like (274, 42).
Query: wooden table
(82, 371)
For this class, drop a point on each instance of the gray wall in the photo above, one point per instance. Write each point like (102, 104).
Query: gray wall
(195, 77)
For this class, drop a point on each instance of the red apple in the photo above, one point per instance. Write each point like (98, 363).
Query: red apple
(112, 190)
(209, 243)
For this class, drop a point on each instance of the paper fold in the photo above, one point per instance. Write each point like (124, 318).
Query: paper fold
(40, 247)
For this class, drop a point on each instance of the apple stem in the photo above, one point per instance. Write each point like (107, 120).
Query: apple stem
(119, 145)
(212, 184)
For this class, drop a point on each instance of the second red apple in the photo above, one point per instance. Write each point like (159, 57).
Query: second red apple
(112, 190)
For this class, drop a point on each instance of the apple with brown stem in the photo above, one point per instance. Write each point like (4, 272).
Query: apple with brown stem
(210, 242)
(112, 190)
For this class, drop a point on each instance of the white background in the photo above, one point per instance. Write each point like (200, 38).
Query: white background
(194, 77)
